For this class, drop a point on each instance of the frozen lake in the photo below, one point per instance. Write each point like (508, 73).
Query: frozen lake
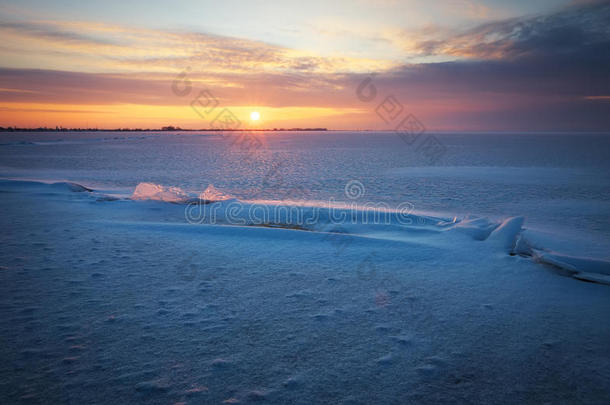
(457, 290)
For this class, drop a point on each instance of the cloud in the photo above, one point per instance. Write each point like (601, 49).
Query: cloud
(269, 89)
(96, 46)
(51, 32)
(532, 73)
(47, 110)
(580, 28)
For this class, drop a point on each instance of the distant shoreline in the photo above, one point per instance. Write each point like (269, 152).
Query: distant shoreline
(163, 129)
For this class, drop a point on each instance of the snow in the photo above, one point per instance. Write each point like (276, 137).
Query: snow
(593, 277)
(507, 233)
(157, 192)
(574, 263)
(211, 193)
(127, 301)
(476, 227)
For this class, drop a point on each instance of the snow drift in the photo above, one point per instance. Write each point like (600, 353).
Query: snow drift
(215, 207)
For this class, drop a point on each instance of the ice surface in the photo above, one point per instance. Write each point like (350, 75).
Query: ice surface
(574, 263)
(211, 193)
(150, 191)
(507, 233)
(45, 186)
(593, 277)
(108, 299)
(124, 301)
(173, 194)
(216, 207)
(477, 227)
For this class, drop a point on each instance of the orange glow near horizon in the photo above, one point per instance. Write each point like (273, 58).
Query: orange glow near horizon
(455, 68)
(34, 115)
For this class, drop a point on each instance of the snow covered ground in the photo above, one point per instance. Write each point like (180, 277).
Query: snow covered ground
(106, 298)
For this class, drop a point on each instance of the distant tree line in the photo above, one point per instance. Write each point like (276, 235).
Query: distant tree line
(167, 128)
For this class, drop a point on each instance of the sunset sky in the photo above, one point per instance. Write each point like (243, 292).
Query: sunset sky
(456, 65)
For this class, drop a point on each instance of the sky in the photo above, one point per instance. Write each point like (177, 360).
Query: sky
(454, 65)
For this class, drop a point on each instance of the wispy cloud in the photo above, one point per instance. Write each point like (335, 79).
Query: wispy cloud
(124, 48)
(51, 32)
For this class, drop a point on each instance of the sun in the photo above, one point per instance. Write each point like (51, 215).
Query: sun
(255, 116)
